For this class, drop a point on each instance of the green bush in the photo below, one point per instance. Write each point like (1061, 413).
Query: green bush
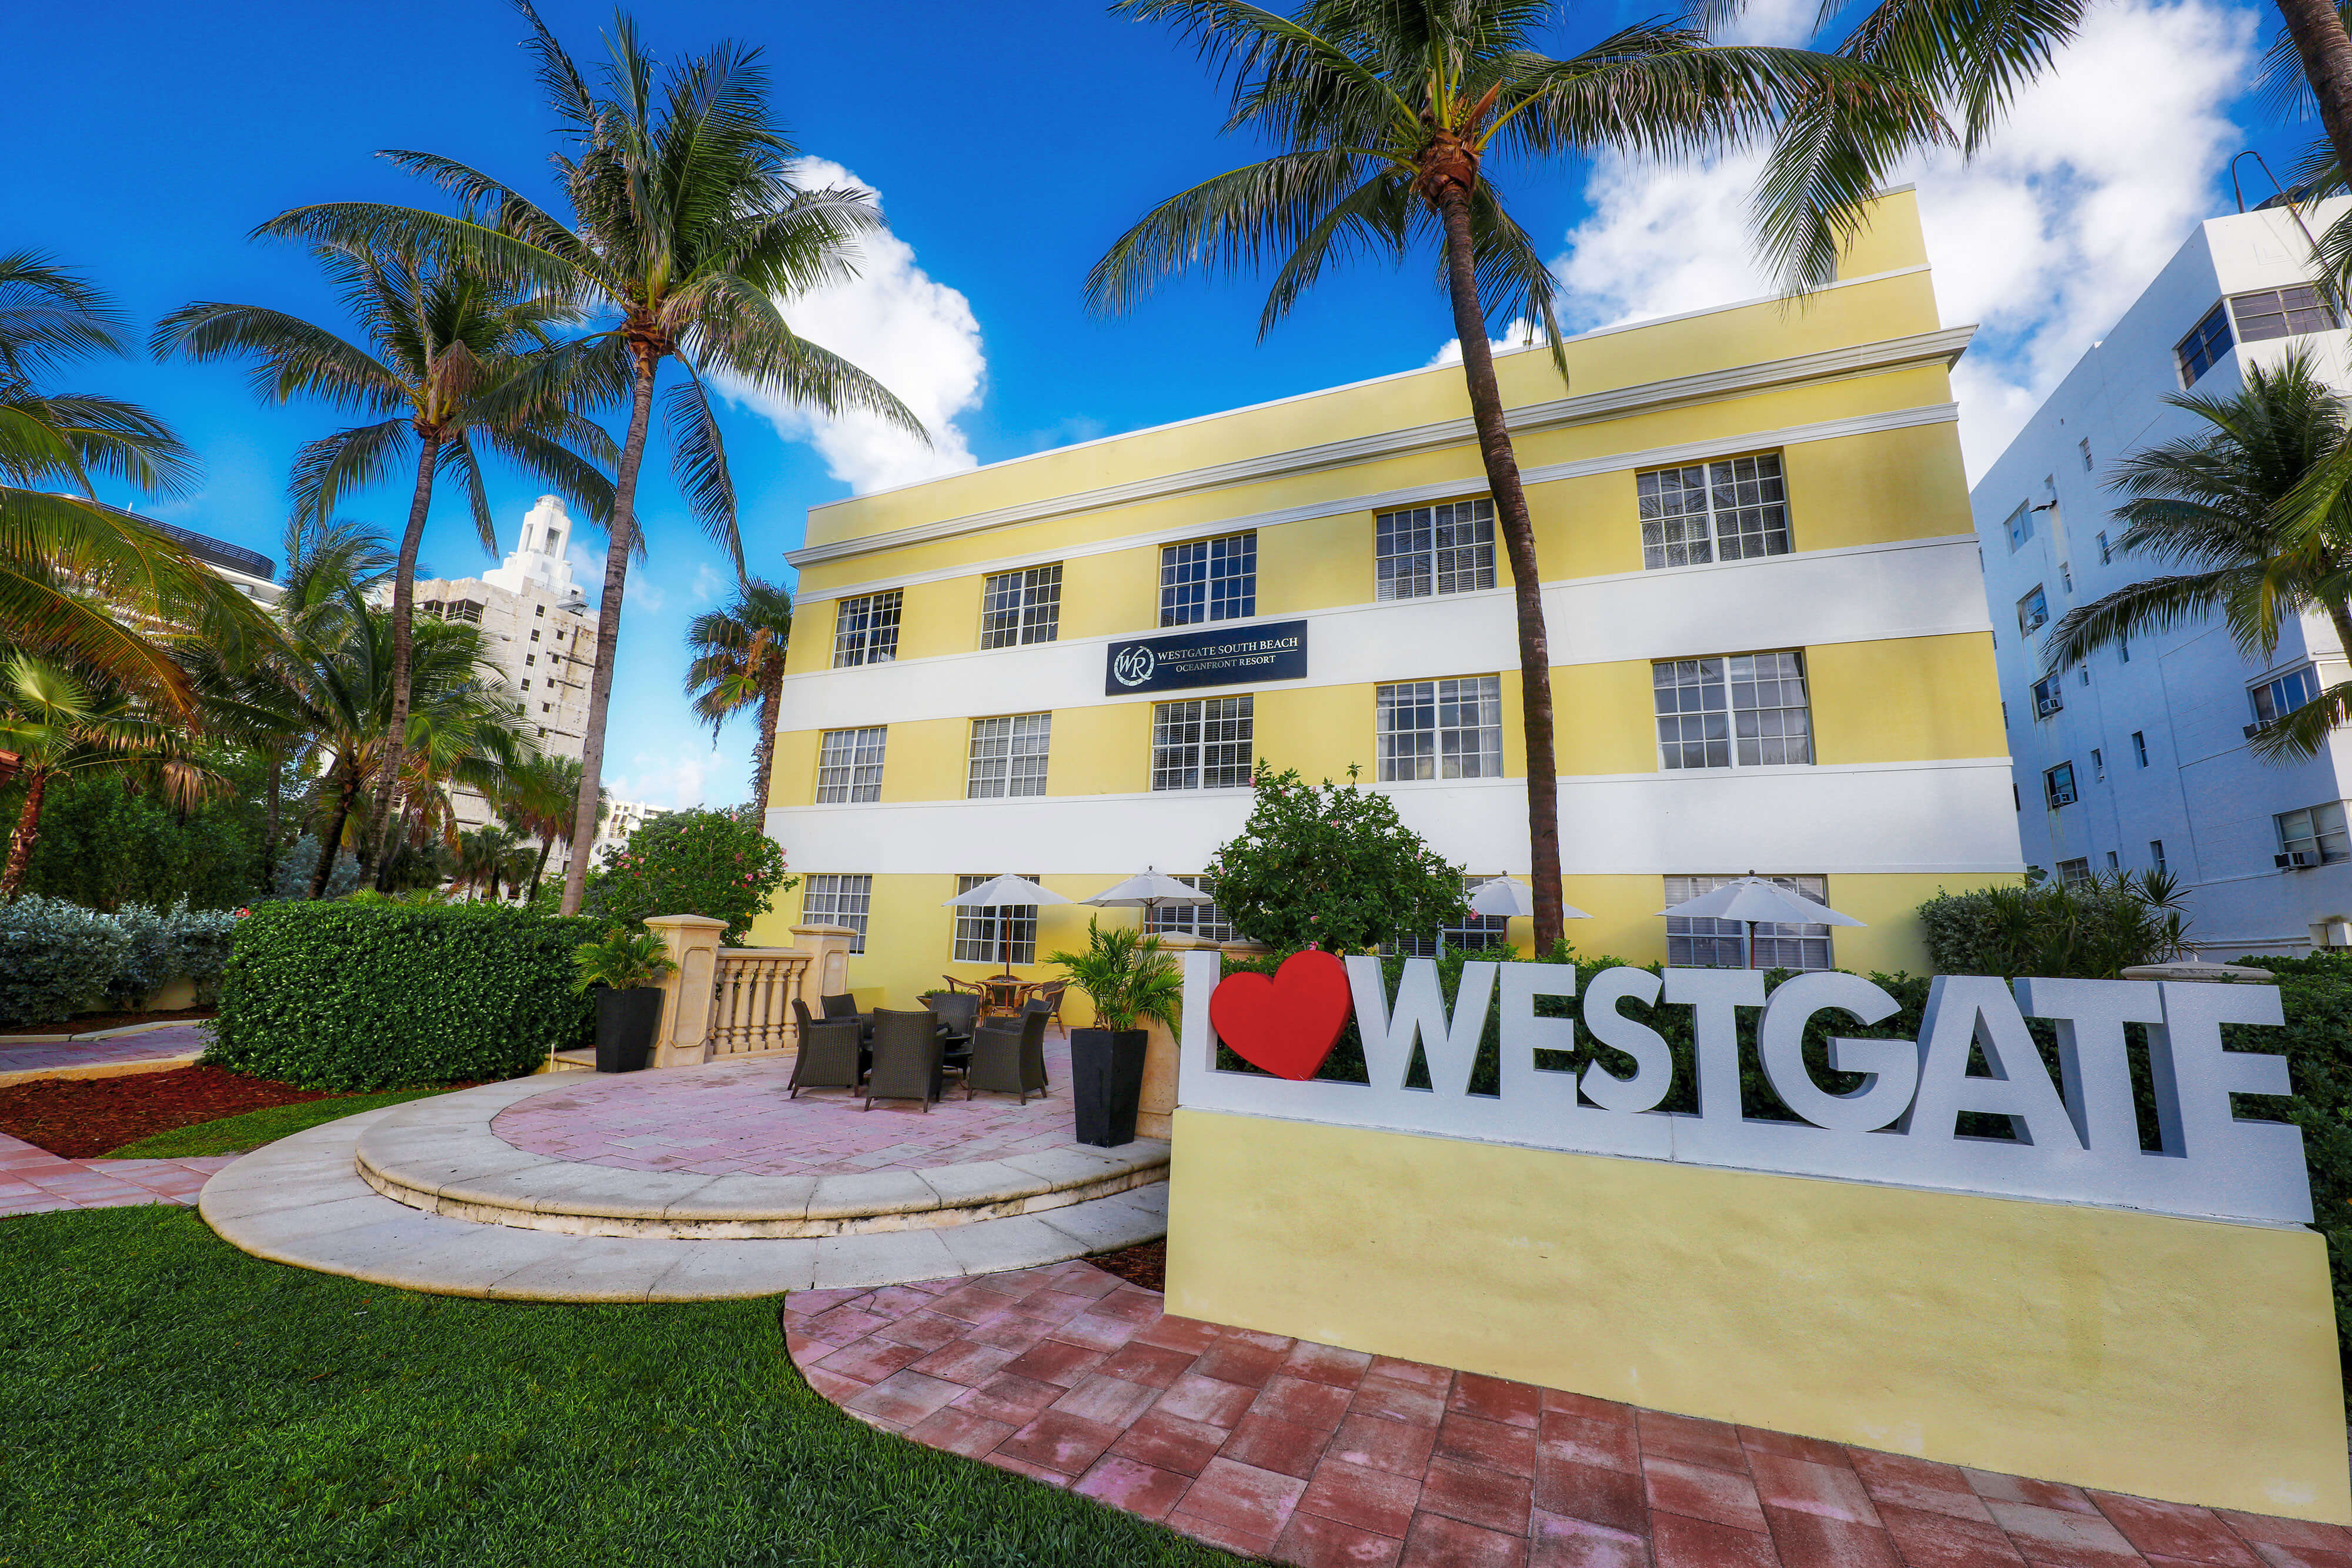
(163, 943)
(382, 996)
(1329, 865)
(104, 845)
(691, 862)
(2091, 931)
(56, 959)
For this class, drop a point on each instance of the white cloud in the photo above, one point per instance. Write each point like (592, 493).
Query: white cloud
(1519, 334)
(709, 584)
(680, 779)
(914, 336)
(2042, 240)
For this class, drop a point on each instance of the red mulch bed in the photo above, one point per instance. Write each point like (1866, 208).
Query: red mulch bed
(82, 1117)
(1146, 1266)
(89, 1023)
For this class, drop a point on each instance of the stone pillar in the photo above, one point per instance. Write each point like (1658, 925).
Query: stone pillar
(1155, 1117)
(829, 963)
(683, 1037)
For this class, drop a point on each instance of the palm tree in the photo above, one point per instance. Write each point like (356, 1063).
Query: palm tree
(85, 583)
(59, 726)
(485, 854)
(1386, 114)
(2224, 504)
(686, 228)
(454, 363)
(537, 800)
(739, 660)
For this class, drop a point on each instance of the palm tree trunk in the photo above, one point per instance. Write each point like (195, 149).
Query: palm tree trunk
(763, 755)
(1502, 466)
(2326, 53)
(539, 870)
(332, 841)
(269, 839)
(2340, 615)
(29, 832)
(404, 611)
(608, 631)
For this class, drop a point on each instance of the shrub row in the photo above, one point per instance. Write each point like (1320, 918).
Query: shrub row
(379, 995)
(58, 958)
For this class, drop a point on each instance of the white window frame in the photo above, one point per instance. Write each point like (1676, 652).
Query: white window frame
(2052, 789)
(1009, 755)
(866, 628)
(849, 764)
(2032, 609)
(982, 924)
(838, 898)
(1420, 552)
(1700, 942)
(1682, 698)
(2318, 828)
(1208, 922)
(2270, 699)
(1475, 933)
(1207, 580)
(2199, 351)
(1021, 606)
(1739, 504)
(2019, 526)
(2297, 318)
(1175, 760)
(1450, 728)
(2075, 873)
(2050, 696)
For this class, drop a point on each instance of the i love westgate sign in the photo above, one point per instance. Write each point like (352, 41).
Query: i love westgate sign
(2076, 1140)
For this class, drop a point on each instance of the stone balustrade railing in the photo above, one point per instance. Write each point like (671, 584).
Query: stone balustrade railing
(738, 1001)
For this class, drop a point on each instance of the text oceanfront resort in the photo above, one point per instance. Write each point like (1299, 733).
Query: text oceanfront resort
(1769, 627)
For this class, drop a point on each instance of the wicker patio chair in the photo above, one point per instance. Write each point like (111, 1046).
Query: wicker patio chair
(841, 1007)
(1050, 993)
(974, 986)
(959, 1010)
(828, 1053)
(906, 1058)
(1008, 1056)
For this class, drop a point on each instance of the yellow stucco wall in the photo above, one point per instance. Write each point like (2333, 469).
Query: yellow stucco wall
(2170, 1358)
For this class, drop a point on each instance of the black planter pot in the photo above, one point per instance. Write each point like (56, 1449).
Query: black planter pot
(1107, 1084)
(626, 1021)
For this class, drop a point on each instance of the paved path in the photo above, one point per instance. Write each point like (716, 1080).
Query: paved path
(1322, 1456)
(736, 1118)
(150, 1050)
(33, 1180)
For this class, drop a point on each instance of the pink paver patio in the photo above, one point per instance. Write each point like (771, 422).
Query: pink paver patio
(153, 1051)
(1320, 1457)
(34, 1181)
(736, 1119)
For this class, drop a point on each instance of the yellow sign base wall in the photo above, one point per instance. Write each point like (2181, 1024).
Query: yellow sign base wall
(2179, 1359)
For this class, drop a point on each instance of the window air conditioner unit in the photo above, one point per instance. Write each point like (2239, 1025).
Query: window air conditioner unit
(2047, 706)
(2062, 797)
(2296, 861)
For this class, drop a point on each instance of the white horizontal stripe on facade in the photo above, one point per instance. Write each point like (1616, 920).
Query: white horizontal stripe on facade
(1908, 587)
(1473, 482)
(1940, 347)
(1949, 816)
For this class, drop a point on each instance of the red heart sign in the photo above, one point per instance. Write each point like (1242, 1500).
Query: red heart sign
(1285, 1023)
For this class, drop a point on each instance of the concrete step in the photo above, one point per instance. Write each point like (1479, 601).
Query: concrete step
(441, 1156)
(302, 1201)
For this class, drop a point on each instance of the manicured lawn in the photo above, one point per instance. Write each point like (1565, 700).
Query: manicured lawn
(233, 1134)
(165, 1399)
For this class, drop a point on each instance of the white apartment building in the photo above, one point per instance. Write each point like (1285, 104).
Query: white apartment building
(537, 629)
(2139, 757)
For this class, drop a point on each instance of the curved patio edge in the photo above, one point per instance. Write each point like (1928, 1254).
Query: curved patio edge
(440, 1156)
(301, 1201)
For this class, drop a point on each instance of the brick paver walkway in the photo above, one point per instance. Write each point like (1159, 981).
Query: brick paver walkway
(181, 1042)
(1324, 1457)
(33, 1180)
(734, 1118)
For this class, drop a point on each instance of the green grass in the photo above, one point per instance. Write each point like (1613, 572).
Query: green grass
(165, 1399)
(251, 1129)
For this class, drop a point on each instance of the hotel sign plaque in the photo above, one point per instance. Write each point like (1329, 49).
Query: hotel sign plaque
(1226, 656)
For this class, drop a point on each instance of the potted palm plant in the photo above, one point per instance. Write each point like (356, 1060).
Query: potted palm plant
(624, 969)
(1130, 977)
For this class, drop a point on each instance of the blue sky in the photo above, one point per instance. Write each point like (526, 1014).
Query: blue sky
(1009, 145)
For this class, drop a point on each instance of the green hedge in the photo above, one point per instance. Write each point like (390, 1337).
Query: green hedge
(58, 958)
(351, 996)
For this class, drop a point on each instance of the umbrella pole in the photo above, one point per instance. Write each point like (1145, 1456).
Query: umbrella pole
(1751, 944)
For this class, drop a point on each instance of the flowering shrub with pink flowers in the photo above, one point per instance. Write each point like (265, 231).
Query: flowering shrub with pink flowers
(711, 863)
(1329, 865)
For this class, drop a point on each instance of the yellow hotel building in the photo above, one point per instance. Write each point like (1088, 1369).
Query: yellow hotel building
(1760, 579)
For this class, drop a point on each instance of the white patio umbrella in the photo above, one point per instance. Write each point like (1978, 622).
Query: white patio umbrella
(1513, 899)
(1753, 902)
(1002, 890)
(1148, 892)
